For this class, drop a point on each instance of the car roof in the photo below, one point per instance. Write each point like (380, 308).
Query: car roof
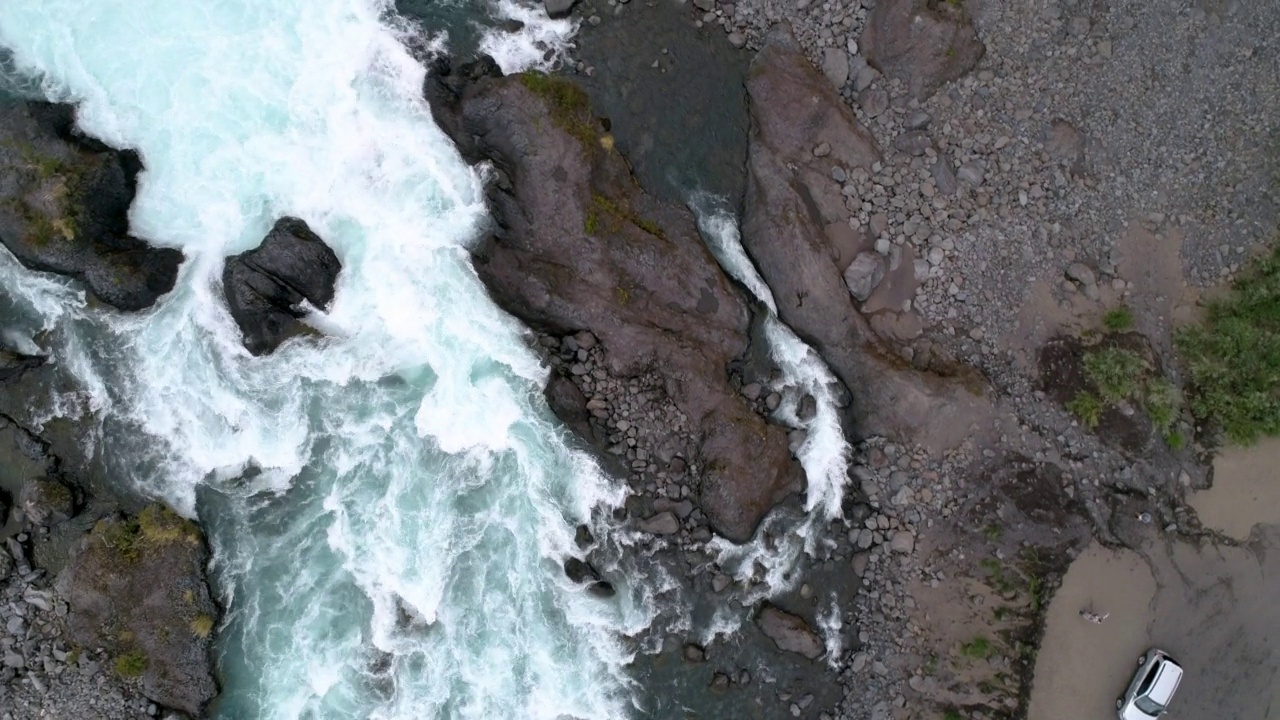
(1170, 674)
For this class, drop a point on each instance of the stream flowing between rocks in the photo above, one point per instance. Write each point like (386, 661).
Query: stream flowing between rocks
(389, 506)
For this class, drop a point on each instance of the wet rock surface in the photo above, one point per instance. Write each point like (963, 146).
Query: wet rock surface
(578, 246)
(64, 203)
(266, 287)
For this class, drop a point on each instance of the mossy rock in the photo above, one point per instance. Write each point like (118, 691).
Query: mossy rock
(136, 586)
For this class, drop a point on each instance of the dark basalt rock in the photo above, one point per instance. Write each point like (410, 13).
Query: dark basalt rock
(136, 586)
(265, 287)
(13, 364)
(578, 245)
(64, 204)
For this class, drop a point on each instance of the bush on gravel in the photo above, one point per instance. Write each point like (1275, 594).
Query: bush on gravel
(1233, 358)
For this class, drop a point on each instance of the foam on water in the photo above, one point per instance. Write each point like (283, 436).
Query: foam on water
(825, 453)
(539, 44)
(389, 505)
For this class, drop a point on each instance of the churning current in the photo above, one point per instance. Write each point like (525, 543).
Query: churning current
(387, 506)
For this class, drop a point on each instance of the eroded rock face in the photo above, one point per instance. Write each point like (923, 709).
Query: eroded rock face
(64, 203)
(136, 586)
(265, 287)
(925, 43)
(579, 246)
(791, 204)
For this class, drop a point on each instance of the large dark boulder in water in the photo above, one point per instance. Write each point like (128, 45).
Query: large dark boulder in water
(136, 586)
(791, 208)
(64, 205)
(265, 287)
(578, 245)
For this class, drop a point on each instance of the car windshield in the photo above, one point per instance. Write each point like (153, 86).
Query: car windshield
(1149, 706)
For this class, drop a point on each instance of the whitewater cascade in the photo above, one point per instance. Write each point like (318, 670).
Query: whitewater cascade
(388, 506)
(824, 454)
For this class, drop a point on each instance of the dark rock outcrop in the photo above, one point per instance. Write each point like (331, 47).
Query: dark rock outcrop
(789, 632)
(925, 43)
(136, 586)
(265, 287)
(558, 8)
(791, 204)
(13, 364)
(46, 501)
(64, 204)
(579, 246)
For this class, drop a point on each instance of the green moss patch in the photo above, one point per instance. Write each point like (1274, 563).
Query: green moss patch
(131, 664)
(604, 213)
(567, 103)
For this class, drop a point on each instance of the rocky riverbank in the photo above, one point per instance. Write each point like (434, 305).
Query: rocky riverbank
(105, 614)
(106, 609)
(1030, 172)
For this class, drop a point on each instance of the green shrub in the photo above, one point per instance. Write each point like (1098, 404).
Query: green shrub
(1232, 359)
(1118, 319)
(1116, 372)
(1163, 403)
(1087, 408)
(131, 664)
(978, 648)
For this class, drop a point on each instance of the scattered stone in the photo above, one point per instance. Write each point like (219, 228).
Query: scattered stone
(835, 65)
(664, 523)
(864, 274)
(972, 173)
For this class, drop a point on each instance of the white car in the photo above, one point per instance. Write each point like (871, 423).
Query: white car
(1152, 687)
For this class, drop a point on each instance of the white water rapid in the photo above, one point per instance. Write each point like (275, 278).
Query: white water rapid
(824, 454)
(389, 505)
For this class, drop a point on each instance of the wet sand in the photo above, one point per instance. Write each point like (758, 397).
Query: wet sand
(1213, 606)
(1245, 492)
(1082, 667)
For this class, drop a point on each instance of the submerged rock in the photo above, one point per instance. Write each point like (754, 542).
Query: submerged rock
(136, 586)
(578, 245)
(266, 287)
(924, 43)
(791, 203)
(13, 364)
(64, 204)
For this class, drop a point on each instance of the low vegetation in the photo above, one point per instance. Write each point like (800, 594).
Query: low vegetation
(979, 648)
(1118, 319)
(131, 664)
(1232, 359)
(567, 104)
(202, 626)
(155, 526)
(1120, 375)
